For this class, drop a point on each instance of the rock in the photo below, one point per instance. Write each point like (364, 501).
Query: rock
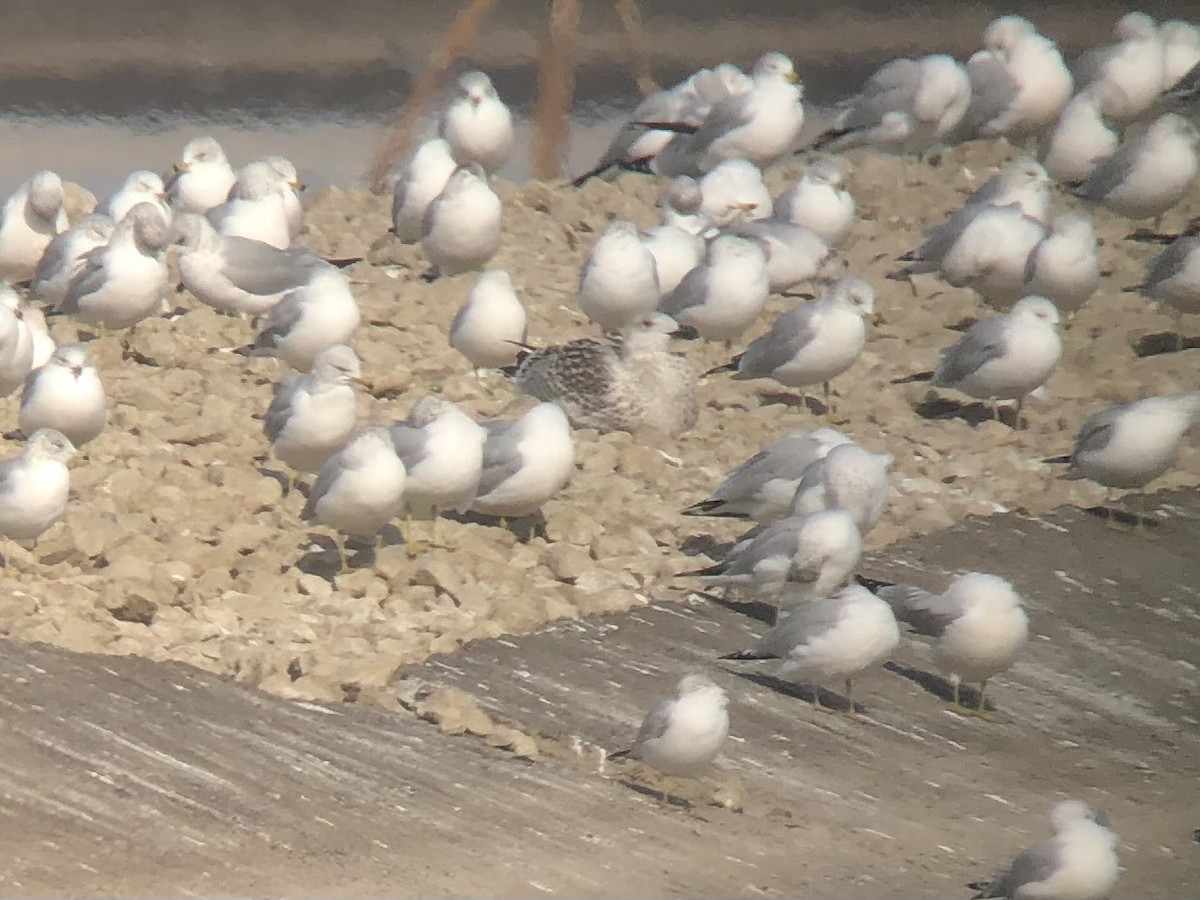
(566, 562)
(136, 608)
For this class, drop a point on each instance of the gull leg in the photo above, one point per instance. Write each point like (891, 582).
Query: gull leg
(850, 700)
(411, 544)
(817, 705)
(957, 706)
(1017, 420)
(343, 561)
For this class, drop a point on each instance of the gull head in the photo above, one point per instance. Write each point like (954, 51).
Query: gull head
(72, 357)
(825, 171)
(1135, 26)
(1069, 813)
(149, 227)
(286, 171)
(1038, 308)
(189, 231)
(1005, 32)
(979, 590)
(775, 65)
(203, 150)
(46, 194)
(856, 292)
(684, 195)
(701, 686)
(475, 87)
(337, 365)
(46, 443)
(145, 182)
(97, 227)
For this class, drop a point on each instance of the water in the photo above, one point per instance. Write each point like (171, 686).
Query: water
(94, 91)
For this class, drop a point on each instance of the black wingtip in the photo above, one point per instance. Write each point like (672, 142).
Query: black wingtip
(676, 127)
(246, 350)
(620, 754)
(1133, 289)
(914, 378)
(873, 584)
(716, 569)
(731, 366)
(712, 509)
(343, 262)
(899, 275)
(580, 180)
(1058, 460)
(748, 655)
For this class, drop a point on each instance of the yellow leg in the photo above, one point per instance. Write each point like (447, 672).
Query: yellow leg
(850, 700)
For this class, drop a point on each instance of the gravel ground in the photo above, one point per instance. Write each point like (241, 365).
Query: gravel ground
(177, 545)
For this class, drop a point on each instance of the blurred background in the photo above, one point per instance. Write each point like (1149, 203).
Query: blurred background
(94, 90)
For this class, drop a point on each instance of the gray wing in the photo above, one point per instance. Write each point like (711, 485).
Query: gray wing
(807, 621)
(691, 291)
(8, 468)
(1171, 261)
(53, 259)
(263, 270)
(411, 444)
(88, 280)
(918, 608)
(1036, 864)
(501, 455)
(283, 317)
(1097, 431)
(993, 90)
(779, 540)
(280, 408)
(893, 87)
(732, 112)
(31, 385)
(766, 353)
(1110, 173)
(655, 725)
(984, 341)
(327, 476)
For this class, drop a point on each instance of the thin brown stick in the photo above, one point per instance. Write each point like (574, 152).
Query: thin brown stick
(457, 41)
(637, 44)
(556, 87)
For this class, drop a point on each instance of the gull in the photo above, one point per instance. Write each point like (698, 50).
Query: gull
(308, 320)
(289, 194)
(29, 220)
(238, 275)
(1131, 68)
(726, 293)
(978, 625)
(619, 281)
(676, 252)
(461, 228)
(16, 342)
(818, 202)
(43, 344)
(1150, 173)
(1022, 182)
(1129, 445)
(34, 486)
(64, 256)
(907, 106)
(1004, 357)
(1079, 140)
(1173, 277)
(733, 191)
(525, 462)
(1064, 267)
(811, 343)
(848, 477)
(203, 177)
(124, 281)
(830, 637)
(255, 208)
(811, 555)
(991, 255)
(477, 124)
(490, 327)
(66, 395)
(1181, 51)
(794, 254)
(139, 187)
(359, 489)
(682, 205)
(762, 487)
(1079, 862)
(760, 125)
(442, 451)
(312, 416)
(1019, 82)
(683, 734)
(426, 176)
(627, 383)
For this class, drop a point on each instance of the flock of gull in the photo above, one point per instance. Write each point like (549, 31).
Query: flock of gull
(1113, 129)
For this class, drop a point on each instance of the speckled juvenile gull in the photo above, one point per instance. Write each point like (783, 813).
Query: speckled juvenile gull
(424, 178)
(1173, 277)
(236, 274)
(477, 124)
(850, 478)
(1131, 68)
(203, 177)
(359, 489)
(978, 625)
(1079, 140)
(812, 342)
(623, 384)
(1004, 357)
(308, 320)
(1065, 265)
(830, 637)
(1151, 171)
(64, 256)
(818, 201)
(1079, 862)
(34, 486)
(726, 293)
(490, 327)
(683, 734)
(811, 555)
(619, 281)
(313, 415)
(16, 342)
(124, 281)
(255, 208)
(734, 191)
(1129, 445)
(1181, 50)
(762, 488)
(442, 451)
(461, 228)
(1019, 83)
(795, 255)
(65, 394)
(525, 462)
(761, 125)
(138, 187)
(29, 220)
(907, 106)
